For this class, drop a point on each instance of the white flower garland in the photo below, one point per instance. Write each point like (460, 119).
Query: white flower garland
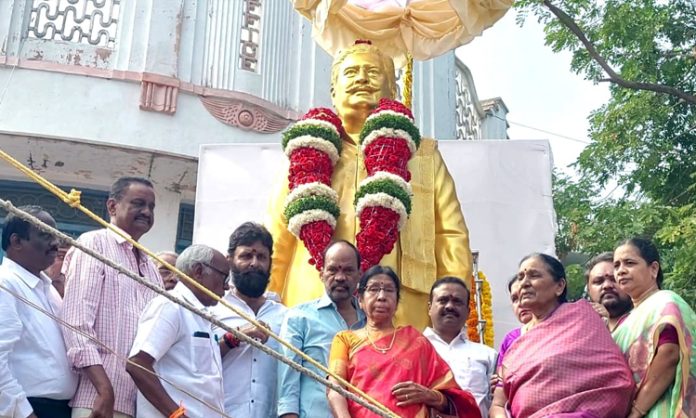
(296, 223)
(383, 200)
(389, 132)
(385, 175)
(310, 141)
(390, 112)
(311, 189)
(318, 122)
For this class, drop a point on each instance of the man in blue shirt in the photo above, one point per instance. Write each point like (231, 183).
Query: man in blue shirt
(311, 327)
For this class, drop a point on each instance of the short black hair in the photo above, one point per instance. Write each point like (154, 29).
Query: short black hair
(118, 189)
(648, 252)
(342, 241)
(604, 257)
(247, 234)
(555, 268)
(375, 271)
(13, 224)
(449, 280)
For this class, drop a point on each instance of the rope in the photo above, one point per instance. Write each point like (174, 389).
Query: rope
(73, 200)
(408, 81)
(240, 335)
(122, 358)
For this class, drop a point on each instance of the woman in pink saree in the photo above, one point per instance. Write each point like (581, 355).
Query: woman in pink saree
(566, 363)
(395, 365)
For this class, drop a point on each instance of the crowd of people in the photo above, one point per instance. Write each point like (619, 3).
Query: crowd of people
(80, 339)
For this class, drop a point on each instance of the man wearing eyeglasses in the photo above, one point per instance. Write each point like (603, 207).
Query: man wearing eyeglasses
(180, 346)
(249, 375)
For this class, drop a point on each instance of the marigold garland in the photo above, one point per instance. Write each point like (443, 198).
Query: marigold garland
(472, 322)
(486, 309)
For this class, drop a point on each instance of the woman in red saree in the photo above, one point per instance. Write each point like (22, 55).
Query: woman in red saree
(396, 366)
(566, 363)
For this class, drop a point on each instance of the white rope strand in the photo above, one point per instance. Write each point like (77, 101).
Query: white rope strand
(109, 349)
(239, 335)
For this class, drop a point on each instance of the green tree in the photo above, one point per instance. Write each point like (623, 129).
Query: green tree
(644, 138)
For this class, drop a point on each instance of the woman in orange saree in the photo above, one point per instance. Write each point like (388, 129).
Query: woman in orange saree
(396, 366)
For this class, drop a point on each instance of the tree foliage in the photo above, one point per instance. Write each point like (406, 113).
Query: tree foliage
(643, 140)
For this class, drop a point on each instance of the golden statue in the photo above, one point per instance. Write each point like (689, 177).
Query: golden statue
(435, 240)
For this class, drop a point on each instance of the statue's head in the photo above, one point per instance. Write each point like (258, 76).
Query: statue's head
(361, 75)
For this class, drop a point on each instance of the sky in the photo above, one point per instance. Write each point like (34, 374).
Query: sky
(536, 85)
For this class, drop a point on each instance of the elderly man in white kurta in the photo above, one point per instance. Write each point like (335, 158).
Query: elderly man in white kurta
(180, 346)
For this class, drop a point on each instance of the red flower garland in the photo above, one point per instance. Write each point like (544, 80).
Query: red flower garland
(388, 154)
(379, 225)
(308, 165)
(378, 234)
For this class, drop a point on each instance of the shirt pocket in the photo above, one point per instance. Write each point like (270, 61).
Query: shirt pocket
(202, 355)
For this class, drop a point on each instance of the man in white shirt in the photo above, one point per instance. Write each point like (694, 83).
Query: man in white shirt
(249, 375)
(36, 379)
(180, 346)
(472, 363)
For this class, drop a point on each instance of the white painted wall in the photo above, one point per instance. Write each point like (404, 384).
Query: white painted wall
(504, 188)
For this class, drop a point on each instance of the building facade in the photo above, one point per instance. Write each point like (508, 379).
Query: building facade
(91, 90)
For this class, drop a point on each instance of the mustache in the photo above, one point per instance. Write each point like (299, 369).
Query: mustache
(449, 312)
(608, 292)
(367, 88)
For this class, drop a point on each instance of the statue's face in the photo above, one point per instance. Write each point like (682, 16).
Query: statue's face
(360, 83)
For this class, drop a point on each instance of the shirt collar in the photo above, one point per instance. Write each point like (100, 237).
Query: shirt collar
(325, 302)
(232, 297)
(27, 277)
(119, 239)
(186, 294)
(429, 332)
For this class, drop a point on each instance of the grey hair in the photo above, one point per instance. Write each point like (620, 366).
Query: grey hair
(195, 254)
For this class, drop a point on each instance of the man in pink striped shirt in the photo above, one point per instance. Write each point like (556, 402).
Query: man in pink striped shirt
(106, 305)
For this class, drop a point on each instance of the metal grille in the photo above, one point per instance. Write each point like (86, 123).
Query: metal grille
(184, 230)
(91, 22)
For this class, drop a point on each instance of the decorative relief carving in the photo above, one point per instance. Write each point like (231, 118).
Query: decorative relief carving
(82, 21)
(468, 121)
(158, 97)
(243, 115)
(250, 38)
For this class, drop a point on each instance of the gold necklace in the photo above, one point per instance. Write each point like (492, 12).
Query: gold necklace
(382, 350)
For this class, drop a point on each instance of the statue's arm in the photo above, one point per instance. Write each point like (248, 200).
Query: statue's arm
(283, 241)
(452, 251)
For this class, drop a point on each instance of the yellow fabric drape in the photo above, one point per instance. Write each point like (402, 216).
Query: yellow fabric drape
(433, 243)
(425, 28)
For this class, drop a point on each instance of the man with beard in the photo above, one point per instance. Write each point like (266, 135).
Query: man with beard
(311, 327)
(608, 299)
(473, 364)
(249, 375)
(36, 379)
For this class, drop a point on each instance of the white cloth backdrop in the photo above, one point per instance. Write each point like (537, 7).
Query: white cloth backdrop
(504, 188)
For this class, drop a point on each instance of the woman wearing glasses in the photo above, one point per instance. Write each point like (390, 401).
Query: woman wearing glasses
(395, 365)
